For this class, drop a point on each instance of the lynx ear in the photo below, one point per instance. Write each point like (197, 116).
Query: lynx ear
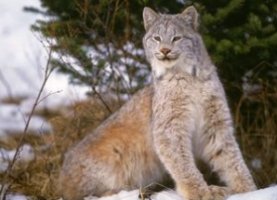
(190, 15)
(149, 17)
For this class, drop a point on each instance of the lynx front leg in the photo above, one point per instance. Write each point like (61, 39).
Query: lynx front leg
(227, 161)
(172, 140)
(222, 152)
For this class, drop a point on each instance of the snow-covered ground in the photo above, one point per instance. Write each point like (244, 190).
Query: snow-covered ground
(262, 194)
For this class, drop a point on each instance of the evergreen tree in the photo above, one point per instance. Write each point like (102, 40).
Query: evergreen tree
(103, 38)
(241, 37)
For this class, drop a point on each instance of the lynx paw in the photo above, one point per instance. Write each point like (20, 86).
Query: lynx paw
(211, 192)
(194, 193)
(241, 188)
(217, 193)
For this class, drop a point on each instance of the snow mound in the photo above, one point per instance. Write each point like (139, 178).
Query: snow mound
(269, 193)
(16, 197)
(133, 195)
(121, 195)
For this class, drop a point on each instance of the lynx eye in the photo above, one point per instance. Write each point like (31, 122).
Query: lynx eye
(176, 38)
(157, 38)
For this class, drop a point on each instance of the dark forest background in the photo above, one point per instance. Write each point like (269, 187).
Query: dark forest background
(104, 40)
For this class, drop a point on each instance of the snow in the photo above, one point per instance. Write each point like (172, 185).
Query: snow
(13, 120)
(121, 195)
(269, 193)
(23, 57)
(262, 194)
(22, 62)
(18, 46)
(133, 195)
(25, 156)
(16, 197)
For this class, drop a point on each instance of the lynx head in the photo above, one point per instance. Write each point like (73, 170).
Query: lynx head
(173, 42)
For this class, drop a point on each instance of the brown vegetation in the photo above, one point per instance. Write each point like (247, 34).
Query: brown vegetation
(255, 119)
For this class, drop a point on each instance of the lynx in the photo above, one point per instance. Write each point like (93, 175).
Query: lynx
(190, 116)
(142, 144)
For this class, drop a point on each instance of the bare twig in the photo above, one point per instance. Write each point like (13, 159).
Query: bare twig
(47, 73)
(101, 99)
(50, 94)
(92, 85)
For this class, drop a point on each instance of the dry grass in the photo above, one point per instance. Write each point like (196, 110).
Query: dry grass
(38, 180)
(256, 121)
(256, 132)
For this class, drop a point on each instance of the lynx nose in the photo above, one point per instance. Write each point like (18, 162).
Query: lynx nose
(165, 51)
